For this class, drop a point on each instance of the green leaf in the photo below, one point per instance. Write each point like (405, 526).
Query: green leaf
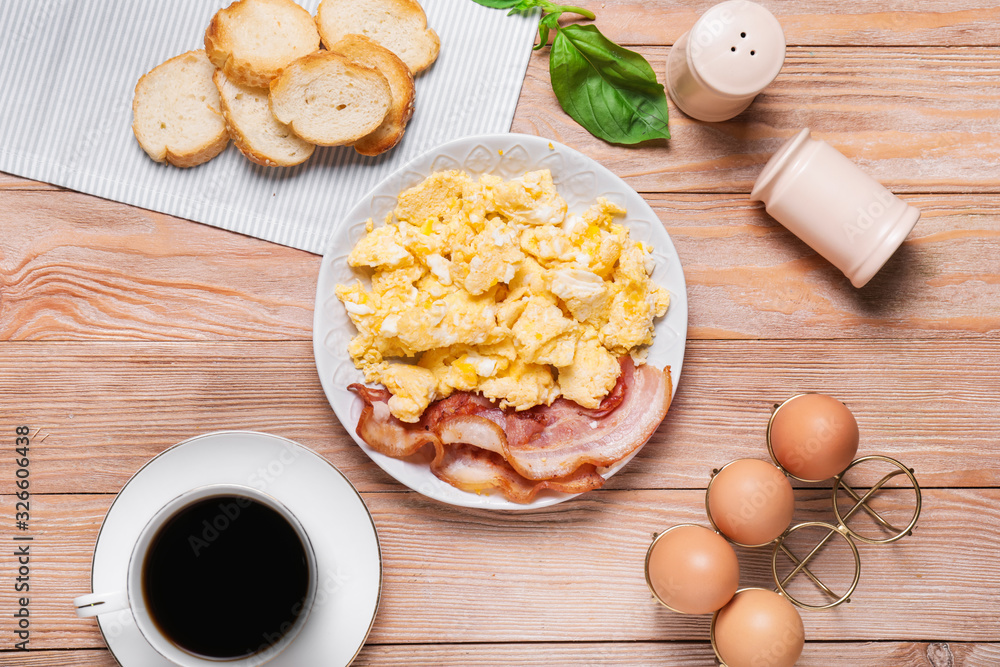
(497, 4)
(517, 6)
(522, 6)
(551, 20)
(543, 37)
(547, 23)
(609, 90)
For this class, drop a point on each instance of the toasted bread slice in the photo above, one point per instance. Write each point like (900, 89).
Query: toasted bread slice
(398, 25)
(252, 40)
(176, 112)
(364, 51)
(329, 100)
(255, 130)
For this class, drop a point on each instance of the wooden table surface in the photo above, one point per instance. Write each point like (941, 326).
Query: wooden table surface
(125, 331)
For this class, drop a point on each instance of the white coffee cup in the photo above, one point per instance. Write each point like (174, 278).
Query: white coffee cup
(133, 596)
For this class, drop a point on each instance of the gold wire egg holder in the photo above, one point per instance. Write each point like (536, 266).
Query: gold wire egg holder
(841, 529)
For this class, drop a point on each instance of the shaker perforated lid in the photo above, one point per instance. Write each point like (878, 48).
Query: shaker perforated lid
(732, 52)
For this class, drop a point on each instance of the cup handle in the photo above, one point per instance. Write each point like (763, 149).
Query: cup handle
(91, 605)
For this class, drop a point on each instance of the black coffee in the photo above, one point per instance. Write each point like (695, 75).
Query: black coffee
(225, 577)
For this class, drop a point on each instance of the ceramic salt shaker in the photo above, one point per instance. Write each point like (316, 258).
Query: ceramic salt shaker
(836, 208)
(716, 69)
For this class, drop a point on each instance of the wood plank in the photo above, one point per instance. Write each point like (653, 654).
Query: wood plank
(915, 119)
(77, 267)
(840, 23)
(697, 654)
(574, 572)
(916, 355)
(749, 277)
(694, 654)
(9, 182)
(108, 408)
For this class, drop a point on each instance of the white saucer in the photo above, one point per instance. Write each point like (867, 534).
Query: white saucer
(328, 506)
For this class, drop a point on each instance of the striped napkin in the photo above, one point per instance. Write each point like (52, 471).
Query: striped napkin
(68, 69)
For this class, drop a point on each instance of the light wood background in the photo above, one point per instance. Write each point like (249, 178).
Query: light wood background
(125, 331)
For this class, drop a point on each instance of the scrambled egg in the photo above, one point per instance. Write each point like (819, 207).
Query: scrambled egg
(493, 286)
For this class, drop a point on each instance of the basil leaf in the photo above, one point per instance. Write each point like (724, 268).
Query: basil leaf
(609, 90)
(497, 4)
(523, 6)
(543, 37)
(548, 22)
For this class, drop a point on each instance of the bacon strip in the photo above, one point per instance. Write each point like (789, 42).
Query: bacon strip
(386, 434)
(473, 429)
(553, 441)
(473, 469)
(477, 445)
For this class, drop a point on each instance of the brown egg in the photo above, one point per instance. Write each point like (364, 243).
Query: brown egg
(692, 569)
(813, 436)
(751, 502)
(759, 628)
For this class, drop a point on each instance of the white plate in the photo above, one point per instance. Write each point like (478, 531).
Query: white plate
(328, 506)
(580, 181)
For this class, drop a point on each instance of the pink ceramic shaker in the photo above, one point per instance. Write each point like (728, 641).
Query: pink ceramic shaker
(716, 69)
(836, 208)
